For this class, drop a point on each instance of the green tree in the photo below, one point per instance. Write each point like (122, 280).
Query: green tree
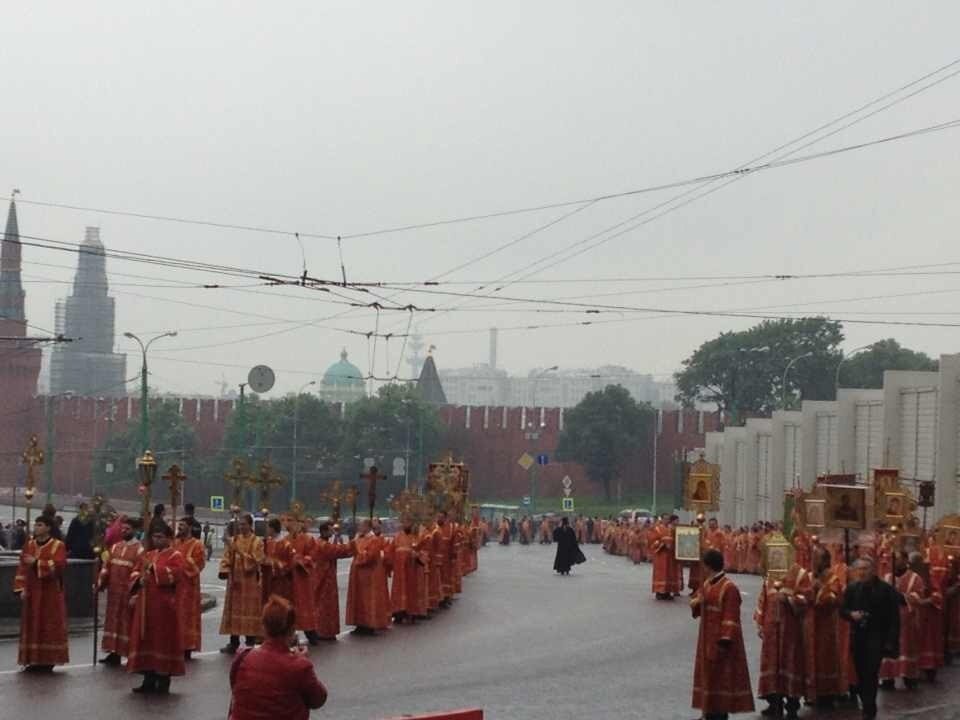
(742, 372)
(264, 430)
(865, 369)
(395, 423)
(172, 440)
(602, 432)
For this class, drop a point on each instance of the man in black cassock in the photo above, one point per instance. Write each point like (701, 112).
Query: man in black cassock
(568, 551)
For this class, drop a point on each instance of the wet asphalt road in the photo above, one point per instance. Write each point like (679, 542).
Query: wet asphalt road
(521, 642)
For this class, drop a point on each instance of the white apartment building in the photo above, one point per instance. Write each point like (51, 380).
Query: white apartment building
(913, 424)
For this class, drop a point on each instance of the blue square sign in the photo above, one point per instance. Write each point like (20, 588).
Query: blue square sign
(542, 459)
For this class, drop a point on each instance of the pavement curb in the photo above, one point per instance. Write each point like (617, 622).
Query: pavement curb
(10, 627)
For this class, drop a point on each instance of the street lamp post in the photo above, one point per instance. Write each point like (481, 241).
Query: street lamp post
(844, 357)
(536, 435)
(144, 416)
(296, 419)
(783, 390)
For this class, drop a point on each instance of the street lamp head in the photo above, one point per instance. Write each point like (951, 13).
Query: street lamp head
(555, 367)
(172, 333)
(129, 335)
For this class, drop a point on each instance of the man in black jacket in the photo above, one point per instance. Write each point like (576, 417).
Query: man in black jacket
(872, 608)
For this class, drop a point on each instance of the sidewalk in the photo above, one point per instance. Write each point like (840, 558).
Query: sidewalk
(10, 627)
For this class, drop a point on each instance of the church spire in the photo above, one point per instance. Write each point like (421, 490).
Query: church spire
(12, 316)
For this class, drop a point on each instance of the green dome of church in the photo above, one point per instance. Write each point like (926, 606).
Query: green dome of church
(343, 374)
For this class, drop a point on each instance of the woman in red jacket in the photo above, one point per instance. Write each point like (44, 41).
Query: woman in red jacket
(272, 680)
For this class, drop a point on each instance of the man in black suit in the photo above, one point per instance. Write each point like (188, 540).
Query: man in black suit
(873, 609)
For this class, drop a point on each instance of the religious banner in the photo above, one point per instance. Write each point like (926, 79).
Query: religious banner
(701, 487)
(778, 553)
(448, 486)
(894, 504)
(687, 545)
(946, 534)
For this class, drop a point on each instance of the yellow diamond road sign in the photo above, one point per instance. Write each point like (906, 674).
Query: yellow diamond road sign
(526, 461)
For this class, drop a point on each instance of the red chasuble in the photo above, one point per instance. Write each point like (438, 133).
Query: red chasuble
(368, 601)
(821, 639)
(242, 607)
(910, 585)
(156, 641)
(780, 617)
(115, 577)
(188, 590)
(43, 612)
(721, 679)
(327, 593)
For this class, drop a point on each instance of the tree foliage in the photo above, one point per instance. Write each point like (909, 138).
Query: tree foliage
(603, 431)
(171, 439)
(742, 372)
(865, 369)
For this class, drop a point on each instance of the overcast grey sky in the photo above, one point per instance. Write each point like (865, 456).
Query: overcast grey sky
(339, 118)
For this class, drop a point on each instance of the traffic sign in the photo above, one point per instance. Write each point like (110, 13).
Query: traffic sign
(526, 461)
(542, 459)
(566, 482)
(567, 491)
(567, 504)
(399, 467)
(368, 463)
(216, 503)
(526, 500)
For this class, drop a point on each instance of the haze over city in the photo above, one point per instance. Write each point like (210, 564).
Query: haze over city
(339, 120)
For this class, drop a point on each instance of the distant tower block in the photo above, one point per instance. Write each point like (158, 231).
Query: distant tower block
(88, 366)
(493, 348)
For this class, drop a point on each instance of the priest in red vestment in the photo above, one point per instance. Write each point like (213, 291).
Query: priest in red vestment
(445, 558)
(240, 567)
(823, 653)
(368, 600)
(409, 560)
(665, 580)
(156, 642)
(781, 608)
(188, 590)
(43, 612)
(303, 576)
(911, 588)
(932, 612)
(327, 593)
(721, 678)
(276, 571)
(115, 579)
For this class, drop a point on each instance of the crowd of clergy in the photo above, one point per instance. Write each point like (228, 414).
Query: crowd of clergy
(806, 642)
(152, 584)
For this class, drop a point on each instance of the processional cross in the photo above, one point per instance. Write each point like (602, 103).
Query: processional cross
(237, 478)
(32, 457)
(265, 482)
(371, 476)
(175, 478)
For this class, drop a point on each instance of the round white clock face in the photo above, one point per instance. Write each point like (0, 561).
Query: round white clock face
(261, 379)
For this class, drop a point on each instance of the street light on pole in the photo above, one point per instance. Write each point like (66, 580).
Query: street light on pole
(296, 419)
(144, 417)
(844, 357)
(783, 392)
(536, 434)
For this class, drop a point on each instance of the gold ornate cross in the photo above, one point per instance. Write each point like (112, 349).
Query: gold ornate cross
(371, 476)
(32, 457)
(175, 478)
(237, 478)
(265, 482)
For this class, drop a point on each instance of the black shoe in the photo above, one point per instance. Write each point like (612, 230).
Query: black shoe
(187, 655)
(312, 637)
(39, 669)
(230, 649)
(163, 685)
(112, 659)
(149, 685)
(887, 685)
(249, 641)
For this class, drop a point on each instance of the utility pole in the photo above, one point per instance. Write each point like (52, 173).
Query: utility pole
(144, 410)
(51, 444)
(296, 419)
